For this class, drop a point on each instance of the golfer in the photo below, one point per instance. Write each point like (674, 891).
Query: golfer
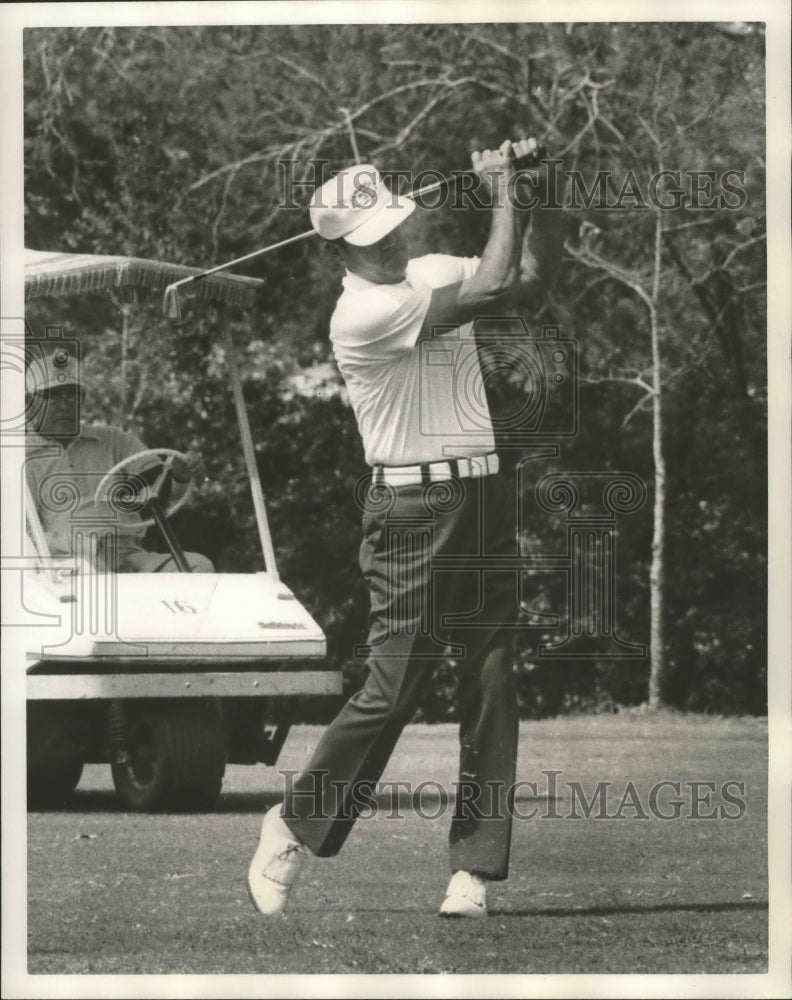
(402, 336)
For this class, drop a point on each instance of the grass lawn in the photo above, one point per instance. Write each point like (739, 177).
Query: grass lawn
(111, 892)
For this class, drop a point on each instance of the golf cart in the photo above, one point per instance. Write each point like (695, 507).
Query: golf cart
(165, 676)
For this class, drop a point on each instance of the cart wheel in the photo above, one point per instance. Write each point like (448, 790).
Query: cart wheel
(50, 784)
(176, 758)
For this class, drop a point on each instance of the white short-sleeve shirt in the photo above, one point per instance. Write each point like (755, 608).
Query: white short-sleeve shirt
(415, 401)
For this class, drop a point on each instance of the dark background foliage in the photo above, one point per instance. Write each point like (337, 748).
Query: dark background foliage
(168, 143)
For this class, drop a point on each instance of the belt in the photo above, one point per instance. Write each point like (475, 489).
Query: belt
(433, 472)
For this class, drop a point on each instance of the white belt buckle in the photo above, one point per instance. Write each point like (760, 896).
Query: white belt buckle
(476, 467)
(403, 476)
(438, 471)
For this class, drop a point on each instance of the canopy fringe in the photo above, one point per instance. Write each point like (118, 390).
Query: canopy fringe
(50, 275)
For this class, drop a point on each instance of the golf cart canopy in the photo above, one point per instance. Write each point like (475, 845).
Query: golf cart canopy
(52, 275)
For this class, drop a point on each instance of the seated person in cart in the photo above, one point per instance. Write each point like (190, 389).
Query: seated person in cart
(66, 466)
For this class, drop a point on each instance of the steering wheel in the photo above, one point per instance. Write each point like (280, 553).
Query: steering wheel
(131, 494)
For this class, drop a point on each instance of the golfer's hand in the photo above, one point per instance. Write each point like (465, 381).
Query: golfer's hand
(495, 168)
(531, 175)
(190, 467)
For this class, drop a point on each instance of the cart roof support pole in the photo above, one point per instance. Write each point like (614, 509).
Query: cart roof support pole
(248, 449)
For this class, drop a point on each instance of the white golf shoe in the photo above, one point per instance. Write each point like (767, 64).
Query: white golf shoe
(275, 865)
(466, 896)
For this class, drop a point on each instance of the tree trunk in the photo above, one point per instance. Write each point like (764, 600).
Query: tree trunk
(657, 571)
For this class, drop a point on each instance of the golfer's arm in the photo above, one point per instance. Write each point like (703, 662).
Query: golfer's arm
(496, 275)
(541, 255)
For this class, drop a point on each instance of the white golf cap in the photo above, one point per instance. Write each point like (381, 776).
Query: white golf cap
(58, 368)
(356, 206)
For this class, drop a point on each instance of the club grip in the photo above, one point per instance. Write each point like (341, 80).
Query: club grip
(532, 159)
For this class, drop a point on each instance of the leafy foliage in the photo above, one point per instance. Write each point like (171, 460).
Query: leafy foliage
(181, 144)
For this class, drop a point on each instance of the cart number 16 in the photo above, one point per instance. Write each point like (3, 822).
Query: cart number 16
(180, 608)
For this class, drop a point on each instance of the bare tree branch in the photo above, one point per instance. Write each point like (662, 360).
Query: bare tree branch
(740, 246)
(649, 131)
(593, 260)
(620, 379)
(708, 221)
(321, 135)
(352, 136)
(321, 83)
(642, 404)
(220, 213)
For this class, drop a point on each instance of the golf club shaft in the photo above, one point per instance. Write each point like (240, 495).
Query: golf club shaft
(171, 295)
(248, 256)
(528, 161)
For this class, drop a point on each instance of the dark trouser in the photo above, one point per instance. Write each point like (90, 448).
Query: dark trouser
(422, 557)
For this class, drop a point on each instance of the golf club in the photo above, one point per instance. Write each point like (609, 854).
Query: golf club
(171, 303)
